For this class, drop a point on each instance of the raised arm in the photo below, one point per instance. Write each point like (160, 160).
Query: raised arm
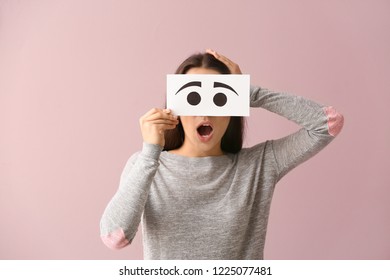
(122, 215)
(320, 124)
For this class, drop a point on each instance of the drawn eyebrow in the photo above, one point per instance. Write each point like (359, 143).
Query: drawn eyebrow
(218, 84)
(190, 84)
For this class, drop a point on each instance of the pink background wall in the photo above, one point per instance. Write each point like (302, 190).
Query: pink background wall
(75, 76)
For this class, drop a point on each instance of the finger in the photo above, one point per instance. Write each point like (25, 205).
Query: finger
(162, 128)
(218, 55)
(156, 111)
(171, 113)
(215, 53)
(161, 116)
(168, 126)
(150, 112)
(212, 52)
(162, 122)
(158, 114)
(225, 60)
(231, 65)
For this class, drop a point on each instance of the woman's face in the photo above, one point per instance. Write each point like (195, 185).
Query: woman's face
(203, 134)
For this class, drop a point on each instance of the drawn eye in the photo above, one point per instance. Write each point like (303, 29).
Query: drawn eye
(220, 99)
(193, 98)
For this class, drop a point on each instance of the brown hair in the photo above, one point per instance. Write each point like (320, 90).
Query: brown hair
(233, 138)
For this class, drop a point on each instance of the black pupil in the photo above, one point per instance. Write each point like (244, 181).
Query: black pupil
(193, 98)
(220, 99)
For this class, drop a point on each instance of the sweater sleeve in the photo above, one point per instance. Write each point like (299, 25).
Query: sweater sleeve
(320, 124)
(122, 216)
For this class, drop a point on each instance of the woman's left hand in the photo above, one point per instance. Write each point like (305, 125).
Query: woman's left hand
(233, 67)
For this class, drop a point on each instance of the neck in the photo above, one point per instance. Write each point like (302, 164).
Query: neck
(189, 150)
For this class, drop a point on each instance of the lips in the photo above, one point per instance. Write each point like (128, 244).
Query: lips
(205, 131)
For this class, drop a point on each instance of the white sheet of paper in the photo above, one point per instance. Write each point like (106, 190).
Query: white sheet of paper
(208, 95)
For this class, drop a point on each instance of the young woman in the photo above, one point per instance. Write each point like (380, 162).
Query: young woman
(200, 195)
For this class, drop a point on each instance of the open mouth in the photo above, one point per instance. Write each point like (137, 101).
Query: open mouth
(205, 130)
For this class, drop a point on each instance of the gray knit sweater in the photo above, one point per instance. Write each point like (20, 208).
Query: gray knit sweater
(213, 207)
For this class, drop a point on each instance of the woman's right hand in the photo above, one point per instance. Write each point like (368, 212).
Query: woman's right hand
(233, 67)
(154, 123)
